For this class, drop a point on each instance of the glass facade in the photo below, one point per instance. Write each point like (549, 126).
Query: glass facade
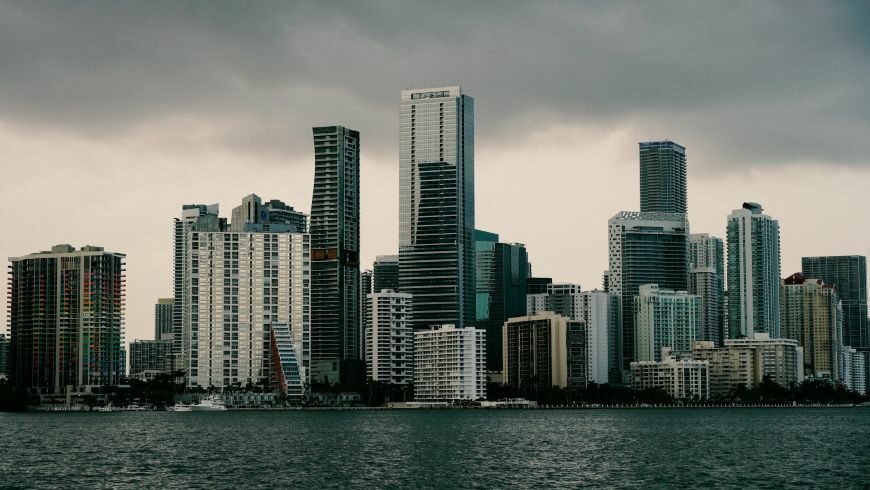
(848, 274)
(707, 280)
(336, 334)
(436, 205)
(662, 177)
(753, 273)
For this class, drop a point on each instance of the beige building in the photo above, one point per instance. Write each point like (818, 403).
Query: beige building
(545, 350)
(682, 379)
(780, 359)
(730, 366)
(812, 315)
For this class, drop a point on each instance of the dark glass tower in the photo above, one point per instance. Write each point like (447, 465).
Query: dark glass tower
(335, 275)
(645, 248)
(662, 177)
(501, 289)
(436, 205)
(847, 273)
(385, 273)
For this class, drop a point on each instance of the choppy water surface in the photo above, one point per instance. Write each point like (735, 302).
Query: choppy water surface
(450, 448)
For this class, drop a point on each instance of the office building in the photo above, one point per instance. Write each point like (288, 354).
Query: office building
(730, 367)
(753, 273)
(662, 177)
(163, 319)
(66, 318)
(237, 285)
(449, 364)
(645, 248)
(336, 333)
(149, 357)
(707, 280)
(601, 316)
(681, 379)
(286, 374)
(436, 205)
(811, 314)
(390, 338)
(385, 273)
(781, 359)
(545, 351)
(501, 289)
(848, 274)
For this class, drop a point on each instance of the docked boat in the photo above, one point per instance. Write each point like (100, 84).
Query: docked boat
(211, 403)
(179, 407)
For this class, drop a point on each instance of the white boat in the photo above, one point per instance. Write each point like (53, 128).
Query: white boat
(209, 404)
(179, 407)
(135, 407)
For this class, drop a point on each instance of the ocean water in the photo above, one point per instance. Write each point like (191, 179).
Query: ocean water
(639, 448)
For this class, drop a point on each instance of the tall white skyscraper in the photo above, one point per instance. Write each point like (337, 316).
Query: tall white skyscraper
(236, 285)
(753, 273)
(436, 205)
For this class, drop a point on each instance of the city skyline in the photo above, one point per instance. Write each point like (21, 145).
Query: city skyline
(146, 168)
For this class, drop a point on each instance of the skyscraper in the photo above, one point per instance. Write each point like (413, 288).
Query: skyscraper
(436, 205)
(501, 289)
(662, 177)
(645, 248)
(385, 273)
(236, 286)
(66, 313)
(665, 318)
(194, 217)
(847, 273)
(163, 318)
(335, 292)
(753, 273)
(811, 314)
(707, 280)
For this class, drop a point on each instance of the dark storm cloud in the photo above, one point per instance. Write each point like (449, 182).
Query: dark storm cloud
(743, 83)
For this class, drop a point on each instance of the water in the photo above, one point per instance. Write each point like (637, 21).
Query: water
(450, 448)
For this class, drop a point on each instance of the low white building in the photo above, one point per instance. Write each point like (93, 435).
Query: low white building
(390, 338)
(855, 370)
(449, 364)
(683, 380)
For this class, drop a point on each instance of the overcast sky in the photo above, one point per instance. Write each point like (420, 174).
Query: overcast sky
(114, 114)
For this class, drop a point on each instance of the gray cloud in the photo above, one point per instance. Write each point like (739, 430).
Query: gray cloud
(739, 83)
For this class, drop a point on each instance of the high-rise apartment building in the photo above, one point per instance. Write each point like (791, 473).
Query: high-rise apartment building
(662, 177)
(707, 280)
(286, 374)
(753, 273)
(436, 205)
(66, 318)
(194, 217)
(236, 286)
(4, 356)
(390, 338)
(150, 357)
(449, 364)
(501, 289)
(543, 351)
(601, 316)
(281, 213)
(811, 314)
(855, 370)
(645, 248)
(847, 273)
(365, 308)
(336, 333)
(163, 319)
(665, 318)
(385, 273)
